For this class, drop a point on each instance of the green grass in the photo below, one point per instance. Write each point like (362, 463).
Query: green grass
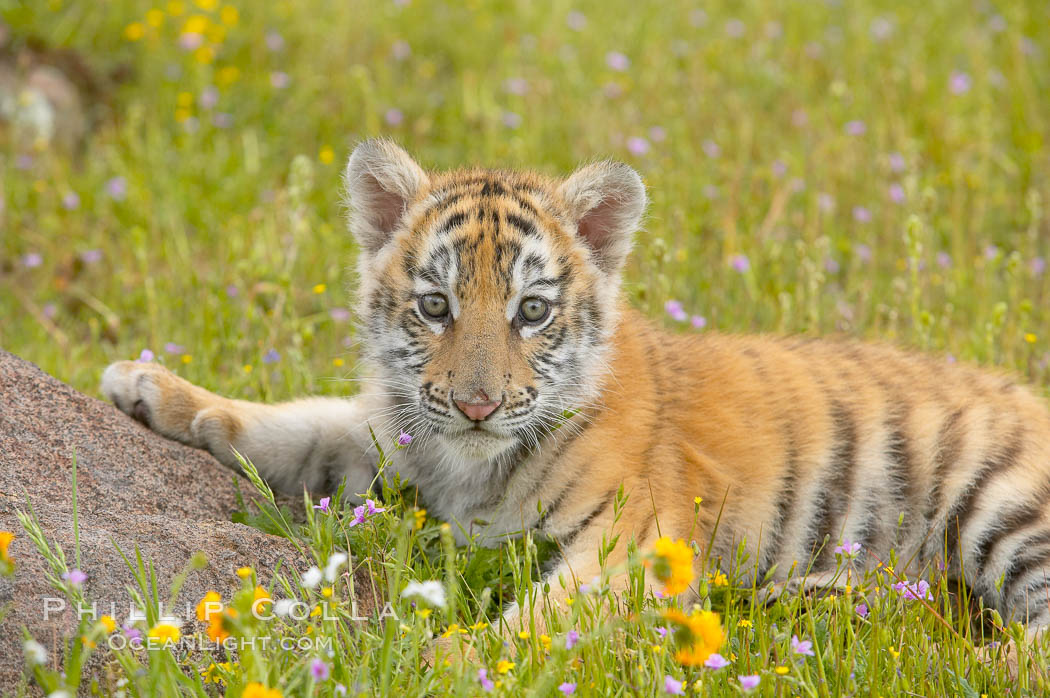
(229, 242)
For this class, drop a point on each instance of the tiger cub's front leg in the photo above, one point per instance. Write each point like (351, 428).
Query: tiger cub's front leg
(313, 442)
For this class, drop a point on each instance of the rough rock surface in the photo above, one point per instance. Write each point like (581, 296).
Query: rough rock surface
(134, 488)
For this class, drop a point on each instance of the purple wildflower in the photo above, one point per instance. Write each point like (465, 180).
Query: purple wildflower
(370, 505)
(734, 28)
(394, 116)
(511, 119)
(271, 357)
(323, 505)
(617, 61)
(661, 631)
(710, 192)
(799, 118)
(716, 661)
(1037, 266)
(697, 18)
(24, 161)
(222, 120)
(319, 670)
(339, 314)
(567, 688)
(637, 146)
(831, 265)
(400, 50)
(944, 260)
(576, 20)
(698, 322)
(91, 256)
(881, 28)
(991, 252)
(486, 682)
(71, 201)
(959, 82)
(516, 86)
(801, 646)
(848, 549)
(280, 80)
(146, 356)
(173, 348)
(740, 263)
(913, 591)
(404, 438)
(209, 97)
(189, 41)
(856, 127)
(896, 192)
(863, 252)
(75, 577)
(711, 149)
(657, 134)
(861, 214)
(571, 638)
(674, 309)
(897, 163)
(673, 687)
(825, 202)
(861, 610)
(232, 291)
(32, 260)
(274, 41)
(749, 683)
(49, 310)
(117, 188)
(778, 168)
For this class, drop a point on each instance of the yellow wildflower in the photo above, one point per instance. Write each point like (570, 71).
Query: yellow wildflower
(782, 670)
(453, 630)
(247, 368)
(5, 542)
(504, 666)
(337, 362)
(698, 635)
(184, 99)
(227, 75)
(423, 612)
(421, 517)
(481, 625)
(207, 5)
(244, 572)
(743, 623)
(204, 55)
(195, 24)
(316, 611)
(176, 8)
(217, 631)
(155, 17)
(1030, 337)
(258, 690)
(319, 288)
(229, 15)
(326, 592)
(523, 634)
(165, 632)
(186, 358)
(719, 580)
(894, 653)
(108, 623)
(672, 563)
(134, 31)
(698, 500)
(326, 155)
(182, 115)
(209, 605)
(545, 640)
(260, 597)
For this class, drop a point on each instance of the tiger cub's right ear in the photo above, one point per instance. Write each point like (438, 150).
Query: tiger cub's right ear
(381, 180)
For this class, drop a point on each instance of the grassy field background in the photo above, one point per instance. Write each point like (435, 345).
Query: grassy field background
(871, 168)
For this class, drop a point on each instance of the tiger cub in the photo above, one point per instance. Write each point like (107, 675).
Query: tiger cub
(495, 332)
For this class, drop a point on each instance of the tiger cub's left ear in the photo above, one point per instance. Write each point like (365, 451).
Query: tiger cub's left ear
(606, 200)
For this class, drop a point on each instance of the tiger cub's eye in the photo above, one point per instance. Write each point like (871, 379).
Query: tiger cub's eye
(534, 310)
(434, 305)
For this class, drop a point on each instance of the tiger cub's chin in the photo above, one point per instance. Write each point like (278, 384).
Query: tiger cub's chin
(477, 444)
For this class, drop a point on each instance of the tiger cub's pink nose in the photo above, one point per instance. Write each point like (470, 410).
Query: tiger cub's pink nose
(478, 407)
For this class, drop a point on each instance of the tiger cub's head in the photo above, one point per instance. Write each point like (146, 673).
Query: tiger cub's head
(487, 299)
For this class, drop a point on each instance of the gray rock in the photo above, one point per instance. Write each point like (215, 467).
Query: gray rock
(134, 488)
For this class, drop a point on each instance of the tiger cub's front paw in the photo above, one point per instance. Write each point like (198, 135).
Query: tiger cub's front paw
(135, 387)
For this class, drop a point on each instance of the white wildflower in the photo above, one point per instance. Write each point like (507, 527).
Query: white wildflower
(311, 578)
(331, 570)
(35, 652)
(432, 592)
